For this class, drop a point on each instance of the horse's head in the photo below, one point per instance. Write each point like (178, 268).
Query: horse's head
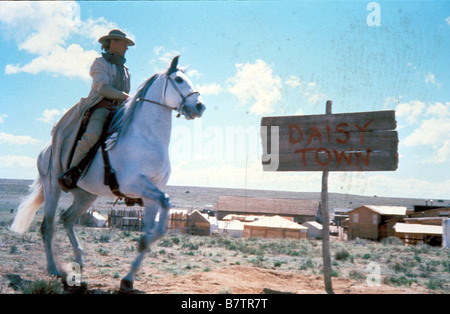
(179, 92)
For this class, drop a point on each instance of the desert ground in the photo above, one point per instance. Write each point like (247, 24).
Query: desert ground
(217, 264)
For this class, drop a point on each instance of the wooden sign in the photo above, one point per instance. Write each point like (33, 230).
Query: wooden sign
(364, 141)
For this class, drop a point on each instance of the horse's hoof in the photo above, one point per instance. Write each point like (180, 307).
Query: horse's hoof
(126, 286)
(54, 273)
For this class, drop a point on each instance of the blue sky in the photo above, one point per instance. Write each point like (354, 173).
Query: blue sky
(249, 59)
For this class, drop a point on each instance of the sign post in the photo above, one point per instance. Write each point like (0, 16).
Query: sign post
(363, 141)
(325, 224)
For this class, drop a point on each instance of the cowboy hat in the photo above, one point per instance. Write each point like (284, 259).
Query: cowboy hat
(118, 35)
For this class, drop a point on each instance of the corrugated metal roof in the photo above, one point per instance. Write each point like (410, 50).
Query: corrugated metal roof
(388, 210)
(417, 228)
(276, 222)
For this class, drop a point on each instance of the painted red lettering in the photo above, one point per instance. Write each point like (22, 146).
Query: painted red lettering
(340, 155)
(328, 134)
(340, 130)
(292, 129)
(303, 152)
(363, 130)
(325, 163)
(365, 160)
(314, 133)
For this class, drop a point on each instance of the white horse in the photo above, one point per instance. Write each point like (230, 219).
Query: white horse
(140, 158)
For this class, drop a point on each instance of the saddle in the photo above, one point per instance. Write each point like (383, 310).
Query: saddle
(81, 169)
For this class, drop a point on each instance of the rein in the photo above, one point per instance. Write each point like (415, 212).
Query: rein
(183, 98)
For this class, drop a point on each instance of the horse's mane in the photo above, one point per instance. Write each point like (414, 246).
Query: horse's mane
(124, 115)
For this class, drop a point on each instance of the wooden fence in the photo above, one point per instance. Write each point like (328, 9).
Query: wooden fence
(126, 219)
(132, 220)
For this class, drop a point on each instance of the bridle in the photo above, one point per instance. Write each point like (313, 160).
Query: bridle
(163, 104)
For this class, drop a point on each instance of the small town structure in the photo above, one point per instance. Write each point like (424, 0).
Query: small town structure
(341, 216)
(430, 211)
(374, 222)
(233, 228)
(418, 233)
(275, 227)
(297, 210)
(199, 224)
(314, 229)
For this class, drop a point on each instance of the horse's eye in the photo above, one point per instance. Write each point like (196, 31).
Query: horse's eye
(178, 79)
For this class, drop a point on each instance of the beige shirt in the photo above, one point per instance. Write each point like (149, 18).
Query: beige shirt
(103, 75)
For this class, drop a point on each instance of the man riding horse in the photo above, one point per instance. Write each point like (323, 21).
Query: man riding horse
(110, 87)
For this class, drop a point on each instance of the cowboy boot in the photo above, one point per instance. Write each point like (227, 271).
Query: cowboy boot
(69, 179)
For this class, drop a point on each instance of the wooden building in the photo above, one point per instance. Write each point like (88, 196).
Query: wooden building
(374, 222)
(274, 227)
(424, 225)
(411, 233)
(314, 229)
(199, 224)
(297, 210)
(428, 211)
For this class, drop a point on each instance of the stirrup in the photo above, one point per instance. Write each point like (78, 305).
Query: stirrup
(69, 179)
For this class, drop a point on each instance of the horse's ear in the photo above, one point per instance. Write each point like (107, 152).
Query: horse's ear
(173, 66)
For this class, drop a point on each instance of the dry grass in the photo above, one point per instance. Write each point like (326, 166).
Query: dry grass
(420, 269)
(109, 255)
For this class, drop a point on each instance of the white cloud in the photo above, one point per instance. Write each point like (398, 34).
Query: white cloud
(210, 89)
(2, 117)
(448, 20)
(308, 89)
(194, 73)
(442, 154)
(411, 111)
(94, 29)
(40, 25)
(256, 84)
(439, 109)
(42, 28)
(165, 56)
(56, 63)
(17, 139)
(49, 115)
(293, 81)
(14, 161)
(432, 129)
(391, 102)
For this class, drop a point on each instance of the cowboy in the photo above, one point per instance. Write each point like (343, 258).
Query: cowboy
(110, 87)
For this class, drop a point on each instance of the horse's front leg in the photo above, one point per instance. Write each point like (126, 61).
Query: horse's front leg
(142, 187)
(82, 200)
(152, 232)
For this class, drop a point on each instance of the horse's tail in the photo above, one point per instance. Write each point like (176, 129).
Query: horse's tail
(28, 208)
